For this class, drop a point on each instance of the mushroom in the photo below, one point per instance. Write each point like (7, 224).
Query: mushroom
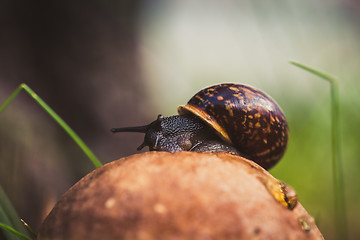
(183, 195)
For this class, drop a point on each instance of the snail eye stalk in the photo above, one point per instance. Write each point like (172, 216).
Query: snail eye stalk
(140, 129)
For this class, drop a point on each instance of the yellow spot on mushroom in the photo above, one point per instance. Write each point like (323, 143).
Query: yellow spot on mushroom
(251, 116)
(257, 115)
(220, 98)
(282, 193)
(265, 140)
(110, 203)
(257, 125)
(307, 222)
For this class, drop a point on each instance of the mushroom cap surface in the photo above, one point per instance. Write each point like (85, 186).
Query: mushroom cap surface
(184, 195)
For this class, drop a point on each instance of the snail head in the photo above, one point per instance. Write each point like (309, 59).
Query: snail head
(171, 134)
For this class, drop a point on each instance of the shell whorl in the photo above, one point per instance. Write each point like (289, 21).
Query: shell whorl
(244, 116)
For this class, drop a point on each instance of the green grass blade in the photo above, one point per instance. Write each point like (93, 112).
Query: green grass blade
(8, 216)
(57, 118)
(315, 72)
(13, 231)
(29, 228)
(340, 209)
(10, 99)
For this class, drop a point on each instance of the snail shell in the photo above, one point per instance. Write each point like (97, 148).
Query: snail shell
(245, 117)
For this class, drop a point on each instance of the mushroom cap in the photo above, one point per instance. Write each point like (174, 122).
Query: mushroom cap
(184, 195)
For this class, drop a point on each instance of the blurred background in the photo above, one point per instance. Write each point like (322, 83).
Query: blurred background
(103, 64)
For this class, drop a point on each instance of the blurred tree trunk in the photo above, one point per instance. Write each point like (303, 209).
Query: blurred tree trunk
(80, 57)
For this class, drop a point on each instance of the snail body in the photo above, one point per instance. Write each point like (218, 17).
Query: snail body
(233, 118)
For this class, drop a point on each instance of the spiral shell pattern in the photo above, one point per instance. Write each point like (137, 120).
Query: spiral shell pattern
(244, 116)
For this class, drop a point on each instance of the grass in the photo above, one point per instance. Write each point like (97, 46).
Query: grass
(339, 196)
(56, 117)
(13, 231)
(9, 219)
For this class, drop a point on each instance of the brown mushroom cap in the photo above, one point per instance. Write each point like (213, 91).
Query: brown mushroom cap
(184, 195)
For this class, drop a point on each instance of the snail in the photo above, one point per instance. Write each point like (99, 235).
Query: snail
(233, 118)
